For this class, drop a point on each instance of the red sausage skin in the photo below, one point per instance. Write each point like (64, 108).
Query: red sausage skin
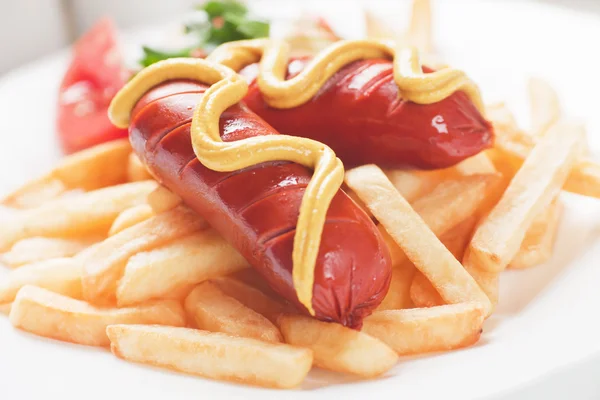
(360, 115)
(256, 209)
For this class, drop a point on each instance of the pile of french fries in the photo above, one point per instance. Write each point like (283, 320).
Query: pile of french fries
(102, 255)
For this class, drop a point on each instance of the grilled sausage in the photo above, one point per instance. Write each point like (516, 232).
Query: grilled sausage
(256, 209)
(360, 114)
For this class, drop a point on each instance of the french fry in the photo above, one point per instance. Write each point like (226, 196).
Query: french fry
(5, 308)
(396, 253)
(105, 262)
(91, 169)
(450, 203)
(498, 238)
(162, 199)
(36, 193)
(136, 171)
(413, 235)
(419, 32)
(513, 146)
(584, 178)
(538, 243)
(413, 184)
(424, 330)
(212, 355)
(212, 310)
(173, 269)
(90, 213)
(422, 293)
(60, 275)
(398, 295)
(130, 217)
(44, 313)
(38, 249)
(476, 165)
(487, 281)
(545, 106)
(251, 298)
(338, 348)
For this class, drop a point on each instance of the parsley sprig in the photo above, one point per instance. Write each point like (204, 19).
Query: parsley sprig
(227, 21)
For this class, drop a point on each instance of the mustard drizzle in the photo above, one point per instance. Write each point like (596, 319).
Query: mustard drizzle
(228, 88)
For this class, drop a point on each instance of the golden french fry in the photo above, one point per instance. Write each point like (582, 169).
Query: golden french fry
(212, 355)
(52, 315)
(513, 146)
(584, 178)
(538, 243)
(90, 213)
(398, 295)
(338, 348)
(476, 165)
(413, 184)
(413, 235)
(36, 193)
(422, 293)
(176, 267)
(136, 171)
(130, 217)
(396, 253)
(5, 308)
(498, 238)
(105, 262)
(450, 203)
(91, 169)
(545, 106)
(60, 275)
(419, 32)
(423, 330)
(38, 249)
(251, 298)
(212, 310)
(487, 281)
(162, 199)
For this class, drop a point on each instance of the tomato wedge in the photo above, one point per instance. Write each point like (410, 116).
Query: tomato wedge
(94, 76)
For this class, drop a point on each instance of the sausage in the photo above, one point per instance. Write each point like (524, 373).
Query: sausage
(361, 116)
(256, 209)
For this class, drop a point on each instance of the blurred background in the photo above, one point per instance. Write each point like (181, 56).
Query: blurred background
(33, 28)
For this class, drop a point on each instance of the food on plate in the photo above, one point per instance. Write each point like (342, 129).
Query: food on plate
(412, 234)
(104, 263)
(186, 262)
(498, 238)
(257, 209)
(212, 310)
(31, 250)
(95, 75)
(59, 275)
(430, 119)
(212, 355)
(424, 330)
(90, 213)
(50, 314)
(264, 254)
(337, 347)
(538, 243)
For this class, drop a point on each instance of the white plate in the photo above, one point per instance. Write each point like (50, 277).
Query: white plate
(547, 321)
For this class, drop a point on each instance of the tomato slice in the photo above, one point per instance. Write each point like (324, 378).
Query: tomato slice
(94, 76)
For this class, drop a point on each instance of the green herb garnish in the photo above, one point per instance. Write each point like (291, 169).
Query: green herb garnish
(228, 20)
